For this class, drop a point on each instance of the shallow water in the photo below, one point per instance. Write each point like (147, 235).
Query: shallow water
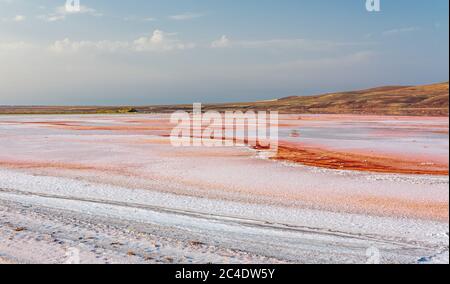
(412, 137)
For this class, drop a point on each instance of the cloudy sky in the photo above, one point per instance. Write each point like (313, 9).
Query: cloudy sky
(179, 51)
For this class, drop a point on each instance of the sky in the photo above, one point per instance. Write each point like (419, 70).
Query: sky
(114, 52)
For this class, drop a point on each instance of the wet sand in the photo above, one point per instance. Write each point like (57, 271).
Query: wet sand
(307, 155)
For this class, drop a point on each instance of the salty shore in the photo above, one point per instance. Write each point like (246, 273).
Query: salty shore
(112, 187)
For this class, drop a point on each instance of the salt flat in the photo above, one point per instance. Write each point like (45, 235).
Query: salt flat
(115, 189)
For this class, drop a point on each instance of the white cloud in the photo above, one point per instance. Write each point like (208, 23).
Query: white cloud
(139, 19)
(61, 13)
(305, 44)
(221, 43)
(17, 18)
(400, 31)
(158, 41)
(293, 43)
(66, 45)
(13, 46)
(62, 10)
(149, 19)
(52, 17)
(185, 16)
(336, 62)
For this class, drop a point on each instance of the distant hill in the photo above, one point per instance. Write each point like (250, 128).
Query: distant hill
(427, 100)
(395, 100)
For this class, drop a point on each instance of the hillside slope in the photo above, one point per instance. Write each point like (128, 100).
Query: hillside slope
(419, 100)
(430, 100)
(426, 100)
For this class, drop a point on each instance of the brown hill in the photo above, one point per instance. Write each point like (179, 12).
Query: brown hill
(419, 100)
(432, 100)
(427, 100)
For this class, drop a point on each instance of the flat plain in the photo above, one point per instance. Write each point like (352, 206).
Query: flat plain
(114, 188)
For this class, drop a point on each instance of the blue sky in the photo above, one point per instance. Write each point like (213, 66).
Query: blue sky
(180, 51)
